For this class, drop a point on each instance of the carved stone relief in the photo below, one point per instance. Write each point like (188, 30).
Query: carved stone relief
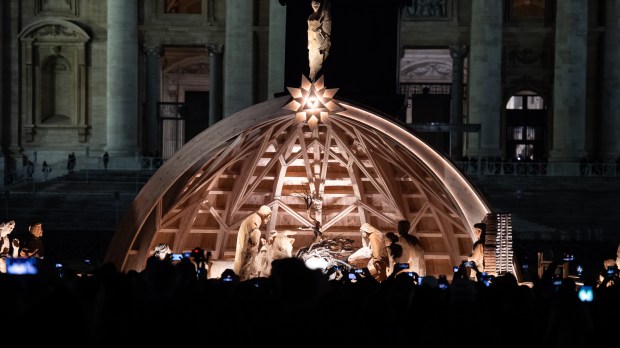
(67, 8)
(432, 66)
(427, 10)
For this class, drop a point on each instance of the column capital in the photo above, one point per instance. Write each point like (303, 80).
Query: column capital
(458, 51)
(214, 49)
(152, 50)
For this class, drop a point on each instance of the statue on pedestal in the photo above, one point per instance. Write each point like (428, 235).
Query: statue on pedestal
(319, 35)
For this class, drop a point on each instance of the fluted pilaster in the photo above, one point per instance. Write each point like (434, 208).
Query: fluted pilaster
(122, 78)
(485, 73)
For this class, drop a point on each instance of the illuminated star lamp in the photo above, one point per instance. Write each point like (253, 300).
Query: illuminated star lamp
(312, 102)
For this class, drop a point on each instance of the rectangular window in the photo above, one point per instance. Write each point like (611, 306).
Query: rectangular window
(524, 151)
(530, 133)
(535, 103)
(517, 133)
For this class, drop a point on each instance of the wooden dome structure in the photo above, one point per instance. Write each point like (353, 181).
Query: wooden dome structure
(356, 165)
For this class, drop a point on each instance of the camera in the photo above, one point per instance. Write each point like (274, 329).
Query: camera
(198, 254)
(468, 263)
(359, 271)
(21, 266)
(176, 257)
(352, 276)
(455, 269)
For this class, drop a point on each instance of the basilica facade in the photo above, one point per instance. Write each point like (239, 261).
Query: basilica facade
(512, 79)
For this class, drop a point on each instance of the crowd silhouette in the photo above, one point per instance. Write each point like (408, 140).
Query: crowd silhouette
(167, 303)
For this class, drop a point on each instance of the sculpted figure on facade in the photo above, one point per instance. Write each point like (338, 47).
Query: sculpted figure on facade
(319, 35)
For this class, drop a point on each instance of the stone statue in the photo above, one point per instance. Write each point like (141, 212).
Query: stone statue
(8, 248)
(319, 35)
(379, 259)
(162, 250)
(248, 242)
(412, 248)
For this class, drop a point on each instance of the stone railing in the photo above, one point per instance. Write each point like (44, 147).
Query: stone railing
(527, 168)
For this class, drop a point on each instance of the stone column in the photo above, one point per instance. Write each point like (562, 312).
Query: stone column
(3, 104)
(10, 25)
(122, 78)
(239, 57)
(277, 36)
(569, 85)
(458, 54)
(610, 122)
(215, 89)
(153, 95)
(485, 73)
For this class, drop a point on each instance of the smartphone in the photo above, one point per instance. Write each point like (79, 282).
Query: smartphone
(176, 257)
(21, 266)
(401, 266)
(442, 281)
(187, 254)
(359, 271)
(586, 294)
(485, 278)
(557, 282)
(352, 276)
(611, 271)
(455, 269)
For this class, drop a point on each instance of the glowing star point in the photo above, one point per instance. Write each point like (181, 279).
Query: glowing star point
(312, 102)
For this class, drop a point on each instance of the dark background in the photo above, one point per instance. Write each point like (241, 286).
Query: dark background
(364, 56)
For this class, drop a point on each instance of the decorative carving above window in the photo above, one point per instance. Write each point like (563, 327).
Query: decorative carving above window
(426, 66)
(183, 6)
(54, 79)
(54, 31)
(428, 10)
(527, 9)
(65, 8)
(519, 56)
